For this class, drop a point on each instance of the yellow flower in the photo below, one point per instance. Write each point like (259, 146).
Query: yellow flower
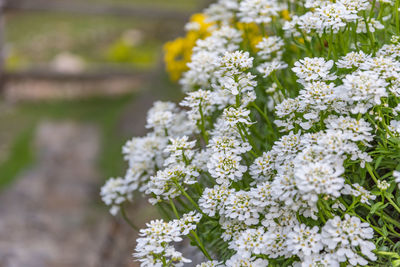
(177, 53)
(285, 14)
(176, 56)
(251, 32)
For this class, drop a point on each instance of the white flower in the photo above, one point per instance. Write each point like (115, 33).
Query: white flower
(354, 6)
(165, 117)
(164, 185)
(228, 144)
(114, 192)
(192, 26)
(361, 90)
(202, 67)
(385, 67)
(313, 69)
(389, 50)
(232, 116)
(154, 246)
(219, 12)
(310, 21)
(313, 179)
(394, 127)
(240, 207)
(235, 84)
(237, 61)
(249, 242)
(188, 222)
(160, 116)
(262, 196)
(232, 228)
(313, 3)
(304, 240)
(258, 11)
(269, 46)
(344, 236)
(383, 185)
(286, 111)
(145, 155)
(267, 68)
(276, 242)
(214, 199)
(352, 59)
(263, 166)
(238, 261)
(286, 147)
(320, 260)
(199, 103)
(221, 40)
(180, 151)
(335, 16)
(210, 264)
(396, 174)
(394, 88)
(355, 130)
(225, 167)
(373, 25)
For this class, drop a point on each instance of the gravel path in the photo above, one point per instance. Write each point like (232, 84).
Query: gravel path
(51, 215)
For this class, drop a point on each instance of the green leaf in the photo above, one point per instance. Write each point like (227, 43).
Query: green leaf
(396, 263)
(388, 254)
(375, 207)
(385, 231)
(378, 162)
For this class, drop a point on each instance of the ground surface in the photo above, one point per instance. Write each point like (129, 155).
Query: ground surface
(51, 211)
(50, 215)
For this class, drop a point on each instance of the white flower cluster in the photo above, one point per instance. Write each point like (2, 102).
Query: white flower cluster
(169, 182)
(286, 136)
(154, 246)
(329, 16)
(146, 155)
(372, 79)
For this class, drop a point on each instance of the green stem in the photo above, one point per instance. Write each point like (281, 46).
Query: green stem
(202, 125)
(331, 44)
(196, 237)
(393, 204)
(125, 217)
(188, 197)
(273, 75)
(263, 115)
(370, 171)
(198, 241)
(262, 29)
(246, 139)
(370, 34)
(371, 13)
(171, 202)
(396, 15)
(163, 211)
(373, 227)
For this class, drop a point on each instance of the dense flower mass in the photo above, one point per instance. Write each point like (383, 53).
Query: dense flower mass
(285, 150)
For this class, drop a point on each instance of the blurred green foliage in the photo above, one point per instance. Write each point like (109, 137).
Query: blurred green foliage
(35, 38)
(140, 56)
(89, 37)
(20, 156)
(38, 37)
(24, 118)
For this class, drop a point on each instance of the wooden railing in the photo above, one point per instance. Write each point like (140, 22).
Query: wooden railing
(79, 7)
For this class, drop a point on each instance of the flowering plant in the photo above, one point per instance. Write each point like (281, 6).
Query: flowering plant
(285, 150)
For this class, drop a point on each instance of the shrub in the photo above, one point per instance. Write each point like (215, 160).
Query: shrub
(285, 150)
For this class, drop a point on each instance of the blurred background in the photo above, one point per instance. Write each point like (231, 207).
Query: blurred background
(76, 80)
